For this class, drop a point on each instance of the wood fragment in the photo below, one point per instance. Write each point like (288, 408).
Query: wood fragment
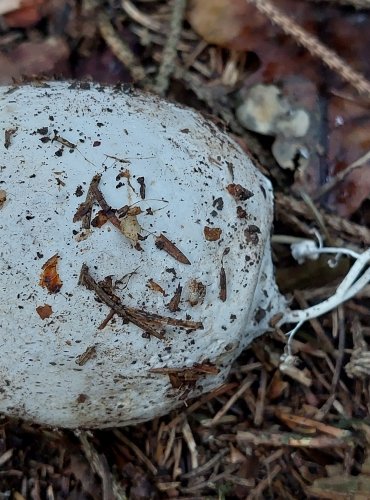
(149, 322)
(170, 49)
(348, 230)
(222, 278)
(141, 182)
(120, 48)
(173, 305)
(248, 381)
(165, 244)
(185, 378)
(313, 45)
(104, 323)
(280, 438)
(63, 141)
(83, 358)
(108, 210)
(99, 465)
(84, 210)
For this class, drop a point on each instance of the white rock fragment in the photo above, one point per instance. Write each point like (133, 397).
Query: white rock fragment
(85, 342)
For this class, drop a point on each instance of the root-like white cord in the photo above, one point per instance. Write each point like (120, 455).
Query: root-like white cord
(355, 280)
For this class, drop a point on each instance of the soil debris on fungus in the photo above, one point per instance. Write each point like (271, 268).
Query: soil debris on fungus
(239, 192)
(50, 278)
(8, 136)
(212, 233)
(173, 304)
(44, 311)
(2, 197)
(148, 322)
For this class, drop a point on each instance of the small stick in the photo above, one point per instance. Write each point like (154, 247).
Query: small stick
(170, 49)
(222, 279)
(313, 45)
(120, 49)
(144, 320)
(108, 210)
(165, 244)
(84, 211)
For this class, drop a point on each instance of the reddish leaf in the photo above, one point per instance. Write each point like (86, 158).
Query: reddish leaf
(44, 311)
(49, 277)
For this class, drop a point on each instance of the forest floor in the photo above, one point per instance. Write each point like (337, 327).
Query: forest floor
(274, 430)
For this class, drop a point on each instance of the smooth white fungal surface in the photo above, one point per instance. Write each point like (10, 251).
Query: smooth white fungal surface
(68, 359)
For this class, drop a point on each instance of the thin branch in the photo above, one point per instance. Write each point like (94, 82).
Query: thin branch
(170, 49)
(148, 322)
(313, 45)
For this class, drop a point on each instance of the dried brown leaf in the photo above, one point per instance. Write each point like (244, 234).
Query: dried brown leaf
(212, 233)
(49, 277)
(239, 192)
(44, 311)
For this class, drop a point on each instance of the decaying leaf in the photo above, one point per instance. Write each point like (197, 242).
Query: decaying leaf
(131, 228)
(165, 244)
(44, 311)
(239, 192)
(212, 233)
(49, 277)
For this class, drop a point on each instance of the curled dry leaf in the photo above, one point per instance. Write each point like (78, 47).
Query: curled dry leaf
(49, 277)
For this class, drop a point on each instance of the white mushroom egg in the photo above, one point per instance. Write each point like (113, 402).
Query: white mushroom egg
(135, 258)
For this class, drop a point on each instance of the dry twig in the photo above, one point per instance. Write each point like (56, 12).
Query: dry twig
(120, 49)
(313, 45)
(170, 49)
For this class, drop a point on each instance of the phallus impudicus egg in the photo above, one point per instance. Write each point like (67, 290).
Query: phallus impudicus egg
(135, 259)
